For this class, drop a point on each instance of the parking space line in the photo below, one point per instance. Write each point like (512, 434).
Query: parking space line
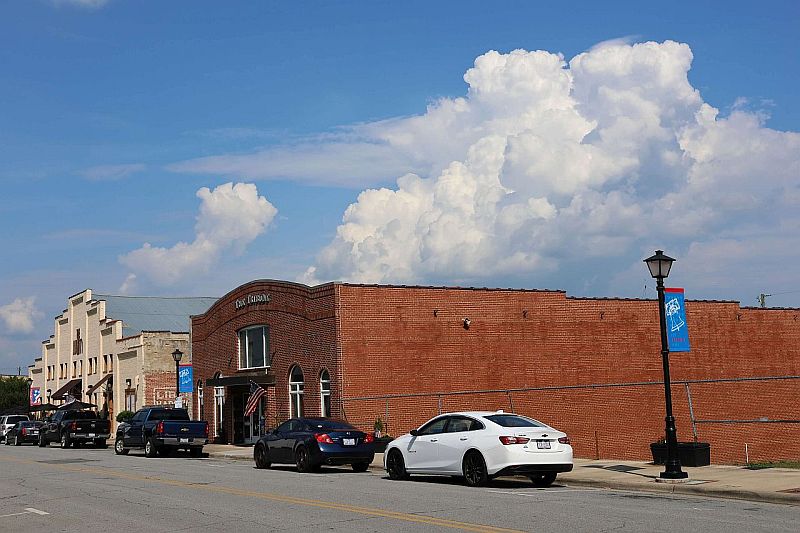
(28, 510)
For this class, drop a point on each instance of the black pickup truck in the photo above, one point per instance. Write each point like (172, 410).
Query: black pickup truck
(160, 430)
(73, 428)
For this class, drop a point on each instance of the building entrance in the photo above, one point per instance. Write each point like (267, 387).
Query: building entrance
(253, 425)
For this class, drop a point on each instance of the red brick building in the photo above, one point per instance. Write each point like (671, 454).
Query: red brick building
(588, 366)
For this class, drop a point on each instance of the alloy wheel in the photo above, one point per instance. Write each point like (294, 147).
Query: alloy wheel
(475, 470)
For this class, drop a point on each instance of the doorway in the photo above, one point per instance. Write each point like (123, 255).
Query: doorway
(253, 425)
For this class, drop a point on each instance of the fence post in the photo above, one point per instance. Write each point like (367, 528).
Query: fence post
(510, 401)
(691, 411)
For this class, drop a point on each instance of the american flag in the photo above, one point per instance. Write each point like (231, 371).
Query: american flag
(256, 392)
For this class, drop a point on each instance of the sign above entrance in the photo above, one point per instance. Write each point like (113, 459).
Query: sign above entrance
(252, 299)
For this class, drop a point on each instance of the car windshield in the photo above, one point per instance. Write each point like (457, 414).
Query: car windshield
(170, 414)
(330, 425)
(81, 415)
(15, 419)
(514, 421)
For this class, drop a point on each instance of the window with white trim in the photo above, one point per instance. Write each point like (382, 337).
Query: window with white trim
(254, 347)
(296, 392)
(325, 393)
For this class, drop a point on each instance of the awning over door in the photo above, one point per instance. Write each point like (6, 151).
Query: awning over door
(99, 384)
(230, 381)
(68, 387)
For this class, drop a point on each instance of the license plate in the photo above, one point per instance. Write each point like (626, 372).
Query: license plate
(183, 440)
(543, 444)
(91, 435)
(349, 442)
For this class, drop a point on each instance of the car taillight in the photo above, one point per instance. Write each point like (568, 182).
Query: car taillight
(24, 432)
(514, 440)
(160, 428)
(206, 430)
(323, 438)
(564, 440)
(368, 438)
(73, 426)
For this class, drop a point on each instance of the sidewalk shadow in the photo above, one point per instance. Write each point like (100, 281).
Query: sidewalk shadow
(625, 469)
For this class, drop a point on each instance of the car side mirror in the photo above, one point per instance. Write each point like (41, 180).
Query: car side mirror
(414, 433)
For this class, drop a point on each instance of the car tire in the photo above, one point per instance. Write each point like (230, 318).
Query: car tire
(360, 467)
(474, 469)
(302, 459)
(396, 466)
(196, 452)
(42, 442)
(150, 448)
(543, 479)
(16, 441)
(119, 447)
(261, 456)
(65, 441)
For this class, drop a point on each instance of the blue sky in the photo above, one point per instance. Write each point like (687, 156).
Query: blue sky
(113, 115)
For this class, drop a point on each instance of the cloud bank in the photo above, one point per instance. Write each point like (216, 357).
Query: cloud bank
(19, 316)
(231, 217)
(545, 166)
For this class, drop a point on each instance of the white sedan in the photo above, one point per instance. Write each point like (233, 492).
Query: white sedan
(479, 446)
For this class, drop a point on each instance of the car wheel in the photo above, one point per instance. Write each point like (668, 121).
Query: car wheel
(261, 456)
(65, 442)
(42, 442)
(302, 459)
(395, 466)
(360, 467)
(150, 449)
(543, 479)
(119, 447)
(196, 452)
(474, 469)
(16, 440)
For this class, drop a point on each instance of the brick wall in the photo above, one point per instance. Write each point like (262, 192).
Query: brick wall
(401, 340)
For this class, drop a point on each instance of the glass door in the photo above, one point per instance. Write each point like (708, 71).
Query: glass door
(253, 425)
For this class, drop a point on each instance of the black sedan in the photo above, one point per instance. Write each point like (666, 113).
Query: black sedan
(311, 443)
(25, 431)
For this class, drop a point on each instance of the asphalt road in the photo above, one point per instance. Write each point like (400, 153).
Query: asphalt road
(95, 490)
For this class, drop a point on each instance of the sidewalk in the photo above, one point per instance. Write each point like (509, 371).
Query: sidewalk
(771, 485)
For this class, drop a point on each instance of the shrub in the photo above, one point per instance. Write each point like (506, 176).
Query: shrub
(124, 416)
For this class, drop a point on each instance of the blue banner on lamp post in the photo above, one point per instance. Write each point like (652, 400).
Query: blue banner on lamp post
(186, 378)
(675, 310)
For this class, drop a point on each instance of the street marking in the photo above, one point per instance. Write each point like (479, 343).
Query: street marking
(28, 510)
(367, 511)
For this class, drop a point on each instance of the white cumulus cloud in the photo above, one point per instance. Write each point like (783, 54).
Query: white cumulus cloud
(231, 217)
(546, 165)
(19, 315)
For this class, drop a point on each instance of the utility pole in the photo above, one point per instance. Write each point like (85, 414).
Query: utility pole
(762, 299)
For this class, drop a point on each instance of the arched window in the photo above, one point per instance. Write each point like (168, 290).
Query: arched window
(296, 392)
(325, 393)
(200, 413)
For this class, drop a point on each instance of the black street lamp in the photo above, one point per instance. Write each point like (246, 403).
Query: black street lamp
(659, 265)
(30, 382)
(176, 355)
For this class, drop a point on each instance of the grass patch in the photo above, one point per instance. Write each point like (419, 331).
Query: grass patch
(773, 464)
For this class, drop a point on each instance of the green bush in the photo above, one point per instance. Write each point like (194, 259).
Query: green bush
(124, 416)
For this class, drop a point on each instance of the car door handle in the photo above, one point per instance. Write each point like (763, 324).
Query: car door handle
(434, 440)
(463, 438)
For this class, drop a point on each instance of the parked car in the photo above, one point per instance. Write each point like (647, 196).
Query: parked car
(74, 428)
(161, 430)
(25, 431)
(480, 446)
(9, 421)
(310, 443)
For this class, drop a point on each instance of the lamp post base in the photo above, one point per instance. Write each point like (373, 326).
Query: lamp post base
(668, 475)
(672, 481)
